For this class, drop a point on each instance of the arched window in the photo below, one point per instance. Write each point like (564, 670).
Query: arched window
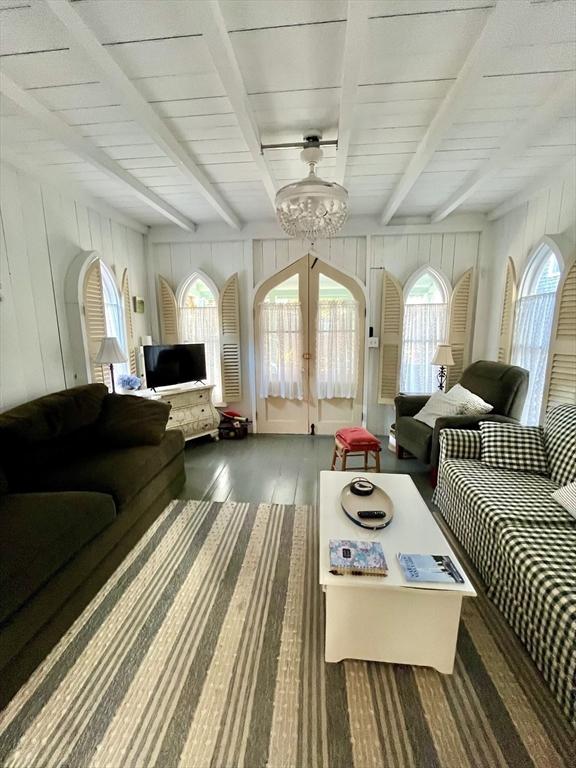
(114, 315)
(199, 323)
(533, 324)
(425, 317)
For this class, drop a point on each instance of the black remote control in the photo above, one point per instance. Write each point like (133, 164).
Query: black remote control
(371, 514)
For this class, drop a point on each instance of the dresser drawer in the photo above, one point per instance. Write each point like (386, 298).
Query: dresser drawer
(183, 399)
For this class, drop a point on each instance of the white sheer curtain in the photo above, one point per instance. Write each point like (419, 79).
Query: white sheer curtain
(337, 349)
(424, 329)
(201, 325)
(532, 329)
(281, 339)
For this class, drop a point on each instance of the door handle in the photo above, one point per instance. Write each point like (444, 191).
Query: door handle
(306, 356)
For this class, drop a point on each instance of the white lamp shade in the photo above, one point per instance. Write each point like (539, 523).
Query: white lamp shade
(443, 355)
(110, 351)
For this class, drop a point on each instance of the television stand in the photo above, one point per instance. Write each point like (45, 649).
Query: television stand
(193, 411)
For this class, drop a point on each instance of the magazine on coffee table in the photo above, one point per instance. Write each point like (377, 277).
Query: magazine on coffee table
(357, 558)
(437, 569)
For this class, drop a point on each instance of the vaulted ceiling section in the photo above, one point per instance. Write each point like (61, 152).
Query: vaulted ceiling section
(159, 107)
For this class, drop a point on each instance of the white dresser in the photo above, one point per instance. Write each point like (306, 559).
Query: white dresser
(192, 410)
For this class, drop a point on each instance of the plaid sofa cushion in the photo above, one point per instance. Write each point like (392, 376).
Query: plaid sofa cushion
(477, 501)
(560, 439)
(534, 585)
(511, 446)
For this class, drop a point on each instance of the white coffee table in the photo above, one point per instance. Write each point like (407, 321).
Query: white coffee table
(384, 618)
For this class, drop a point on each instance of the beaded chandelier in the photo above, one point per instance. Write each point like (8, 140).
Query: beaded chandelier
(312, 208)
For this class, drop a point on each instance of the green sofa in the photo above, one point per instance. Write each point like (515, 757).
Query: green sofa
(83, 474)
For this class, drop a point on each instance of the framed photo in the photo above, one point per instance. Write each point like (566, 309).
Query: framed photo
(138, 303)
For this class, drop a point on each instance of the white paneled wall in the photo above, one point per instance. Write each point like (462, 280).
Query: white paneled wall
(42, 231)
(362, 257)
(551, 212)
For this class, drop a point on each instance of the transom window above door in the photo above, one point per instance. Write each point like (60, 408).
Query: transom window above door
(425, 321)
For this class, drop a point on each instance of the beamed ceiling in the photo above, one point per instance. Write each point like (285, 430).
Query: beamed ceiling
(159, 107)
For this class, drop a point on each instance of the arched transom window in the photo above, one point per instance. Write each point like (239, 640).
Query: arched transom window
(199, 323)
(533, 325)
(425, 317)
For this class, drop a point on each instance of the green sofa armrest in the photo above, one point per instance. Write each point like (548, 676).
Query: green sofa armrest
(408, 405)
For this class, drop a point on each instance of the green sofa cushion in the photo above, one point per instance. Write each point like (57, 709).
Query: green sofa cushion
(52, 416)
(129, 420)
(121, 472)
(39, 533)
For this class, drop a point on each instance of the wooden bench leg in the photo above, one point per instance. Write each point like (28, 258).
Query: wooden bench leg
(334, 455)
(344, 458)
(377, 457)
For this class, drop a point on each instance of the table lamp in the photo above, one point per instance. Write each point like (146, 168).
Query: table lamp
(110, 353)
(443, 358)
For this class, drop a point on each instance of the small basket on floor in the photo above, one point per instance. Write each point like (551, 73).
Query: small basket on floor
(356, 441)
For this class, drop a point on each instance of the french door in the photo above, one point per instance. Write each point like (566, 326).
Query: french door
(310, 327)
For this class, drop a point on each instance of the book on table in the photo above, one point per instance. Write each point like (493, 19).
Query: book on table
(438, 569)
(357, 558)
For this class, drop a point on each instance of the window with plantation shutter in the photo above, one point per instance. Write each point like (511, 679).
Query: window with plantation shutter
(460, 326)
(561, 376)
(230, 341)
(128, 322)
(168, 312)
(507, 319)
(390, 339)
(95, 320)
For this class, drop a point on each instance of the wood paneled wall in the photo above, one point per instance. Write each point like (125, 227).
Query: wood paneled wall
(42, 231)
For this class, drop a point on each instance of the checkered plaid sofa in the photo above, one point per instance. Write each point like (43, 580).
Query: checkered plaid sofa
(522, 542)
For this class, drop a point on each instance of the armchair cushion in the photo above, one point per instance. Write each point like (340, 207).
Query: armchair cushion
(439, 404)
(512, 446)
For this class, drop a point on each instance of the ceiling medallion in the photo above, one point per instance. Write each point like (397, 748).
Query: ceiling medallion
(312, 208)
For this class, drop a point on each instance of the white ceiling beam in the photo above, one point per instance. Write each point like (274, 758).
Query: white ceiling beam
(354, 52)
(566, 168)
(66, 135)
(57, 179)
(114, 78)
(522, 137)
(224, 58)
(506, 15)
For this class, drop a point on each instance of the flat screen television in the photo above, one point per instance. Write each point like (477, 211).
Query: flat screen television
(170, 364)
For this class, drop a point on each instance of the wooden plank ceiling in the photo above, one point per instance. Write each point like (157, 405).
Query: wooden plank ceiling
(290, 57)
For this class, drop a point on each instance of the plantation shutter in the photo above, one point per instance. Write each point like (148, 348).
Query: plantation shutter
(168, 312)
(460, 324)
(230, 341)
(95, 320)
(560, 384)
(128, 322)
(392, 320)
(507, 319)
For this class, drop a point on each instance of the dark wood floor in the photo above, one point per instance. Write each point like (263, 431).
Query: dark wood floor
(279, 469)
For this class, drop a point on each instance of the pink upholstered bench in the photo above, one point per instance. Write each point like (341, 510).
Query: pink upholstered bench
(356, 441)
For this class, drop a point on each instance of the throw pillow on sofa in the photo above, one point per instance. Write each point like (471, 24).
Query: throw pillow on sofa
(438, 405)
(129, 420)
(471, 404)
(566, 496)
(511, 446)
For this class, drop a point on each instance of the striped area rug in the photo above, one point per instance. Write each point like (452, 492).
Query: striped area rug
(205, 649)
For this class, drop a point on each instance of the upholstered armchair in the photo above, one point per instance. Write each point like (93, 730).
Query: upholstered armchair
(503, 386)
